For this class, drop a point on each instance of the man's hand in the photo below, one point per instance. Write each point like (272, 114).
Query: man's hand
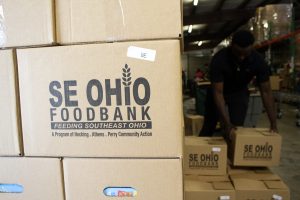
(273, 128)
(229, 131)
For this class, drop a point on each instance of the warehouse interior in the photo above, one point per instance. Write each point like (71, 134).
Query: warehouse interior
(209, 26)
(150, 100)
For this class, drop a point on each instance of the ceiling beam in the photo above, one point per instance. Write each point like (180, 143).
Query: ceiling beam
(201, 37)
(215, 17)
(208, 45)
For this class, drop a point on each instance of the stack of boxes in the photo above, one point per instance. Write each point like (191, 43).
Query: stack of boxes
(106, 99)
(205, 163)
(272, 21)
(250, 152)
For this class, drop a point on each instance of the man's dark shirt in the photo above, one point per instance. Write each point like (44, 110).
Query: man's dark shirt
(236, 75)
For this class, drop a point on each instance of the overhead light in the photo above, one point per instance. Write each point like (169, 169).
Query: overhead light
(266, 25)
(195, 2)
(251, 28)
(190, 28)
(200, 43)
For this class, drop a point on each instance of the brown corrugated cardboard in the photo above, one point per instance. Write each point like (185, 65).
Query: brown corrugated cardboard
(10, 142)
(193, 124)
(275, 82)
(106, 20)
(231, 170)
(208, 189)
(143, 179)
(259, 186)
(26, 23)
(31, 178)
(205, 156)
(102, 100)
(255, 147)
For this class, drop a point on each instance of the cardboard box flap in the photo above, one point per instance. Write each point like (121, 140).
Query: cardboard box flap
(255, 132)
(263, 170)
(190, 177)
(213, 178)
(239, 170)
(254, 176)
(196, 185)
(247, 184)
(222, 186)
(216, 141)
(275, 185)
(193, 140)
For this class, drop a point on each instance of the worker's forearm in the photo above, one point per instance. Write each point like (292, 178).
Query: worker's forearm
(220, 103)
(269, 104)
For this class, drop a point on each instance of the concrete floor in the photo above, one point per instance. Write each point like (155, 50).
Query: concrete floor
(289, 168)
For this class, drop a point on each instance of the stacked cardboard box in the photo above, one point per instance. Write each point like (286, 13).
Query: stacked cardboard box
(193, 124)
(251, 147)
(209, 188)
(112, 111)
(258, 183)
(250, 151)
(272, 21)
(254, 150)
(205, 163)
(23, 23)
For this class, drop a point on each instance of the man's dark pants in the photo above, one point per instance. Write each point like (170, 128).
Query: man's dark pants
(237, 104)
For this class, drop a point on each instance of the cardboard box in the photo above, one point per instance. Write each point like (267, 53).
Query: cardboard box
(10, 142)
(193, 124)
(106, 20)
(218, 188)
(259, 186)
(31, 178)
(231, 170)
(255, 147)
(275, 82)
(102, 100)
(142, 179)
(205, 156)
(26, 23)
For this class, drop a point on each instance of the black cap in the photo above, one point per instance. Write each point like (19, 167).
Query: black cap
(243, 38)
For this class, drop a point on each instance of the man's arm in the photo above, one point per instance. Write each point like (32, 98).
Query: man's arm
(268, 101)
(220, 103)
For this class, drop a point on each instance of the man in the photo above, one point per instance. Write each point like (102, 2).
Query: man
(231, 70)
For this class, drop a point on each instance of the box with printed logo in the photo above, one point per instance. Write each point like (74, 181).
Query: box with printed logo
(102, 100)
(208, 188)
(143, 179)
(31, 178)
(254, 148)
(205, 156)
(10, 134)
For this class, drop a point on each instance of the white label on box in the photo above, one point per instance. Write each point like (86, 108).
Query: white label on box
(277, 197)
(141, 53)
(224, 198)
(216, 149)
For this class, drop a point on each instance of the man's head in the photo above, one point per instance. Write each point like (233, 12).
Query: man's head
(242, 44)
